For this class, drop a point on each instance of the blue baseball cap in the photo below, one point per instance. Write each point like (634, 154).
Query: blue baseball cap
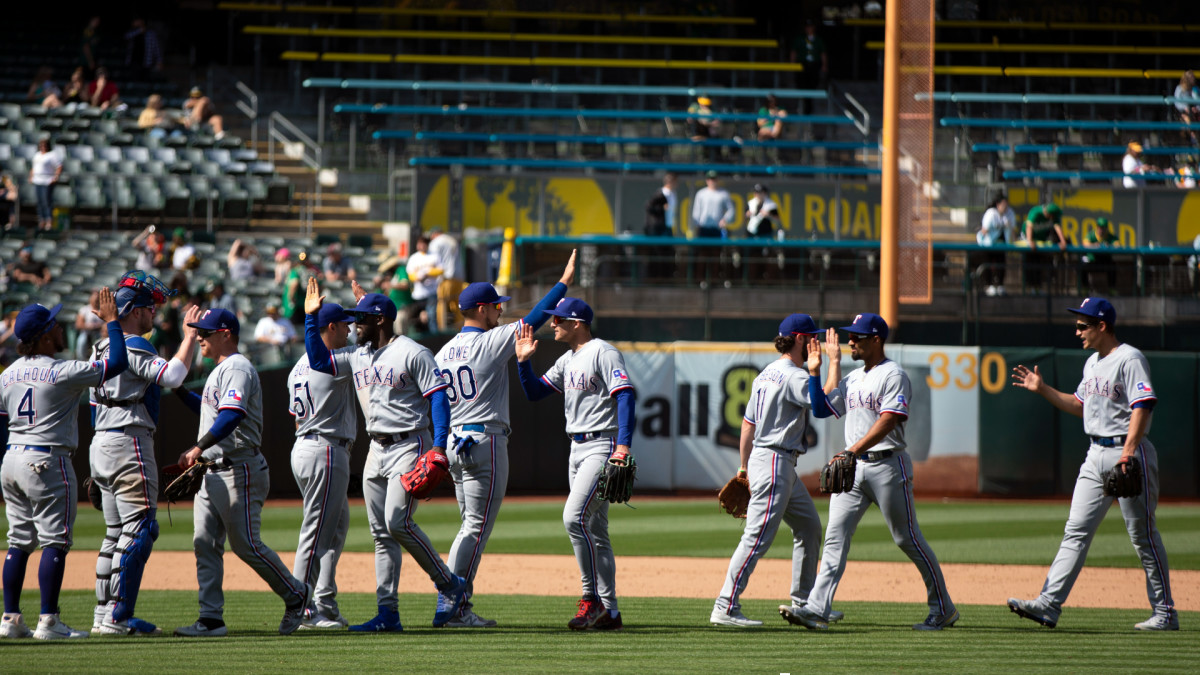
(868, 324)
(798, 324)
(480, 293)
(572, 308)
(376, 304)
(331, 312)
(1096, 308)
(34, 321)
(218, 319)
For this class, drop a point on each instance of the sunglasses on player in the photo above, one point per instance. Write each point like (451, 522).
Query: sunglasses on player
(205, 334)
(497, 305)
(1081, 326)
(558, 320)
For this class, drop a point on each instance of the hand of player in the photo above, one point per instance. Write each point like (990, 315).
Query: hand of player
(1026, 378)
(814, 355)
(832, 347)
(191, 316)
(622, 453)
(357, 290)
(189, 458)
(569, 271)
(313, 299)
(526, 345)
(106, 305)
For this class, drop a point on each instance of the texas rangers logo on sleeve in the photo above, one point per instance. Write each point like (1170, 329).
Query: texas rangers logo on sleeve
(234, 394)
(620, 374)
(1144, 387)
(903, 401)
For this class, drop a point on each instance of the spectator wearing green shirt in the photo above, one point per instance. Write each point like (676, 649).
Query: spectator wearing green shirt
(291, 304)
(1096, 264)
(809, 51)
(393, 278)
(1043, 226)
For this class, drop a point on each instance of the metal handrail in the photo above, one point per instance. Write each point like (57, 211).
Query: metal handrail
(250, 110)
(276, 122)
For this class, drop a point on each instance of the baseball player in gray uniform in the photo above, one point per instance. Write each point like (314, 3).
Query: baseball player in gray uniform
(323, 406)
(599, 402)
(229, 503)
(1115, 400)
(125, 415)
(39, 408)
(401, 395)
(475, 364)
(875, 400)
(773, 429)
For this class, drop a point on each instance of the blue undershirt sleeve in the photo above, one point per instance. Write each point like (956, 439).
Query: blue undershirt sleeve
(118, 358)
(820, 404)
(626, 418)
(1145, 404)
(439, 410)
(227, 420)
(533, 386)
(537, 316)
(319, 358)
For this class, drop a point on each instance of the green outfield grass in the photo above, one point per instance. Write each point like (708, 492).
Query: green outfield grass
(960, 532)
(661, 636)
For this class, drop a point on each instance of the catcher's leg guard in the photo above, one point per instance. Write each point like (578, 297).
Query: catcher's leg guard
(131, 562)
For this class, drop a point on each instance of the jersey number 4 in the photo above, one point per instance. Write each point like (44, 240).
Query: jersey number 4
(26, 408)
(462, 383)
(302, 403)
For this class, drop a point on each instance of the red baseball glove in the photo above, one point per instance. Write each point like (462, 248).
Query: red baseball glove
(432, 468)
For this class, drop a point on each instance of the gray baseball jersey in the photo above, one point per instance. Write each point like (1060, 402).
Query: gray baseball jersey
(233, 384)
(778, 406)
(131, 398)
(395, 381)
(40, 396)
(1110, 387)
(475, 365)
(588, 378)
(864, 395)
(322, 404)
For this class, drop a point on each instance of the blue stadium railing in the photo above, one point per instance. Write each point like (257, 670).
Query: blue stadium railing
(1124, 125)
(570, 113)
(400, 134)
(532, 88)
(609, 165)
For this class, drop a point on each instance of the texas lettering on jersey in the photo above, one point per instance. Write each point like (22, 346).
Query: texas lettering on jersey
(380, 376)
(859, 399)
(1097, 386)
(579, 380)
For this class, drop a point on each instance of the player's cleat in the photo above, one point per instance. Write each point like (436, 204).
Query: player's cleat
(736, 619)
(469, 619)
(293, 617)
(98, 615)
(133, 627)
(590, 609)
(608, 622)
(14, 626)
(50, 627)
(450, 601)
(203, 628)
(322, 621)
(1157, 622)
(1029, 609)
(932, 622)
(835, 616)
(801, 616)
(386, 621)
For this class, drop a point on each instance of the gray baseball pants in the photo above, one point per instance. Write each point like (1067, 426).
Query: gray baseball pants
(586, 518)
(39, 497)
(322, 470)
(480, 480)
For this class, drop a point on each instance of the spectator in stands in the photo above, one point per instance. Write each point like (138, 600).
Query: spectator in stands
(1097, 264)
(283, 264)
(142, 49)
(273, 329)
(8, 340)
(1193, 263)
(43, 90)
(157, 120)
(218, 298)
(8, 200)
(73, 92)
(294, 288)
(424, 273)
(762, 214)
(89, 41)
(702, 125)
(151, 246)
(809, 50)
(1133, 167)
(201, 111)
(712, 213)
(661, 211)
(336, 266)
(1188, 111)
(1185, 176)
(444, 248)
(44, 174)
(1043, 224)
(770, 120)
(393, 279)
(88, 327)
(28, 271)
(243, 261)
(183, 253)
(102, 91)
(999, 227)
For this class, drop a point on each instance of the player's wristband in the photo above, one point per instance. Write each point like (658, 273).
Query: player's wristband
(206, 441)
(741, 470)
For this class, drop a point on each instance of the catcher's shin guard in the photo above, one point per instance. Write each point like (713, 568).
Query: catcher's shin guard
(132, 565)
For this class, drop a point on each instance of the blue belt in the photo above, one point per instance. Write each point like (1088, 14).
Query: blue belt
(875, 456)
(583, 438)
(36, 448)
(1108, 441)
(475, 428)
(341, 442)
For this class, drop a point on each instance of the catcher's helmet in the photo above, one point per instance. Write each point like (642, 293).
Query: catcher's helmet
(138, 289)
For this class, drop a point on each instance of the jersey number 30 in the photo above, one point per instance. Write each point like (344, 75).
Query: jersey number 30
(462, 383)
(26, 408)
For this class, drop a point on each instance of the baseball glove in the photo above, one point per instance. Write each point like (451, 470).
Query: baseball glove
(184, 483)
(431, 469)
(735, 496)
(838, 474)
(1124, 479)
(616, 479)
(93, 490)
